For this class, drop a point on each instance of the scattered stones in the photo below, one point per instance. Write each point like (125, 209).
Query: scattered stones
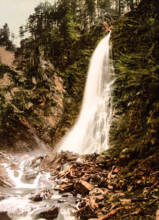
(101, 192)
(54, 161)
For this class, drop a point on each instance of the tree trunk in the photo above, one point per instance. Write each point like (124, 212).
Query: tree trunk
(119, 7)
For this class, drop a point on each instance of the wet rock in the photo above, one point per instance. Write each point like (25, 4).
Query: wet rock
(83, 187)
(4, 216)
(47, 213)
(4, 179)
(64, 167)
(42, 195)
(61, 201)
(4, 196)
(36, 161)
(5, 157)
(29, 177)
(14, 166)
(67, 195)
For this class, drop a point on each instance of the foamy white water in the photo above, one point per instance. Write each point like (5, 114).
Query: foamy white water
(20, 177)
(91, 132)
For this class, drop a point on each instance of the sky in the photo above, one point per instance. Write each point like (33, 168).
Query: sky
(16, 12)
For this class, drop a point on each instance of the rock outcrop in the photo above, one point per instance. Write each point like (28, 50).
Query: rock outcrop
(29, 109)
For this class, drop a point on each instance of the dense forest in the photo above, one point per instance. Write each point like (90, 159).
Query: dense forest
(41, 94)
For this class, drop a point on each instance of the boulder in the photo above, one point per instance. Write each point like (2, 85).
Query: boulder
(66, 187)
(47, 213)
(83, 187)
(29, 176)
(42, 195)
(4, 216)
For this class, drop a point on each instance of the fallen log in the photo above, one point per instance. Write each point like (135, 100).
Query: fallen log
(110, 214)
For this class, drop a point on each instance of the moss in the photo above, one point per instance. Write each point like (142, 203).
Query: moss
(135, 95)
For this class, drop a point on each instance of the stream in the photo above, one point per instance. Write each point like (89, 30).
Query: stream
(33, 194)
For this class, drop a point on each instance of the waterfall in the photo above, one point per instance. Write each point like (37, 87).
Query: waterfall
(91, 131)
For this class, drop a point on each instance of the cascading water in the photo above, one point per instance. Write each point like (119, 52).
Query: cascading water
(91, 131)
(30, 181)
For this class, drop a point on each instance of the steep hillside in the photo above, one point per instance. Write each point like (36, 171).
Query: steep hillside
(43, 101)
(28, 110)
(136, 100)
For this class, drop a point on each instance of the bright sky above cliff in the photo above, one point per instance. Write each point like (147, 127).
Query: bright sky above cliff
(16, 12)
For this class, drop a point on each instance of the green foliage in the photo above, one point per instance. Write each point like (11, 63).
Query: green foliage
(5, 38)
(68, 28)
(135, 49)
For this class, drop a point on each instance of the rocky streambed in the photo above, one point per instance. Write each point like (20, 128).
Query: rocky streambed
(67, 186)
(27, 191)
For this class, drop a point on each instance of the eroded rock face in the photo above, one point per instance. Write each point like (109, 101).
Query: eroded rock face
(4, 178)
(33, 112)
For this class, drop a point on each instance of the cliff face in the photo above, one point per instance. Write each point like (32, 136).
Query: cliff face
(40, 98)
(29, 109)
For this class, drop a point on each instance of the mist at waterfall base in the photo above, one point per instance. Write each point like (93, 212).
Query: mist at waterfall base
(90, 134)
(28, 179)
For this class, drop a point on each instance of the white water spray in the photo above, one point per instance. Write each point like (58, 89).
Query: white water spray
(91, 132)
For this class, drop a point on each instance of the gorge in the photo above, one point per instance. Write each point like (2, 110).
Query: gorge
(105, 161)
